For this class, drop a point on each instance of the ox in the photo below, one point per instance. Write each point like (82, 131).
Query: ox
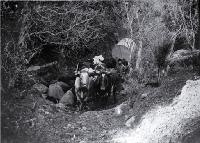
(84, 88)
(106, 86)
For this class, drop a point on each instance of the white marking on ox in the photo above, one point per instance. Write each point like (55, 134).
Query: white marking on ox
(84, 79)
(102, 82)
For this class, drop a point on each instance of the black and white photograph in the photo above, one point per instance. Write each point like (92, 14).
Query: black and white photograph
(100, 71)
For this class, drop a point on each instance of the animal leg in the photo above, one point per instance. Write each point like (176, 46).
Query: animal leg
(114, 93)
(79, 100)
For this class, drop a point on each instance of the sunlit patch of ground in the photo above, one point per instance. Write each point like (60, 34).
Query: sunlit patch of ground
(167, 123)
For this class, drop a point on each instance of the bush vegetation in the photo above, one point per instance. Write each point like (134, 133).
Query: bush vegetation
(80, 28)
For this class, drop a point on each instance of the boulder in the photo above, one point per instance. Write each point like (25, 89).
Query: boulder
(121, 109)
(130, 121)
(183, 58)
(55, 91)
(68, 98)
(144, 95)
(60, 105)
(65, 87)
(41, 88)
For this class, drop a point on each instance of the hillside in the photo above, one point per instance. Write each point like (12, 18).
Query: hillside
(153, 104)
(36, 120)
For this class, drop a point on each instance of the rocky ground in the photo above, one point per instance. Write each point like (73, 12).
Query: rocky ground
(31, 118)
(168, 123)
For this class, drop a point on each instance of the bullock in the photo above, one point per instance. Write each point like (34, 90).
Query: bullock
(106, 84)
(84, 87)
(115, 82)
(103, 84)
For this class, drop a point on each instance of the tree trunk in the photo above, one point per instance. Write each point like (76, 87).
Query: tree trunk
(139, 58)
(197, 41)
(171, 48)
(197, 36)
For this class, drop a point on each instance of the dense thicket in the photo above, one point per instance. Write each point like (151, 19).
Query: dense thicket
(77, 27)
(74, 29)
(159, 28)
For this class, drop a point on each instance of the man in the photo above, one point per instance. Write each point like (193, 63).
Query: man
(125, 66)
(120, 67)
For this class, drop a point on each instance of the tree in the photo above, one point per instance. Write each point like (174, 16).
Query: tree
(145, 28)
(154, 23)
(197, 37)
(73, 25)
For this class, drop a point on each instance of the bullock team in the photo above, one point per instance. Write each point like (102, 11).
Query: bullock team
(95, 81)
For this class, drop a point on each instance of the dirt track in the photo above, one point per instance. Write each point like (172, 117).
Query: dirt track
(168, 123)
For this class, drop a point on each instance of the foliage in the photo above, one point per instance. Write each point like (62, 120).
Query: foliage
(79, 28)
(154, 24)
(75, 26)
(13, 68)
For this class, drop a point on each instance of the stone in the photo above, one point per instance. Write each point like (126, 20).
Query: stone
(41, 88)
(60, 105)
(121, 109)
(69, 125)
(84, 128)
(130, 121)
(68, 98)
(55, 91)
(144, 95)
(118, 111)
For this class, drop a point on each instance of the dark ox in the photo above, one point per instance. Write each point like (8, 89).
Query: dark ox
(106, 87)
